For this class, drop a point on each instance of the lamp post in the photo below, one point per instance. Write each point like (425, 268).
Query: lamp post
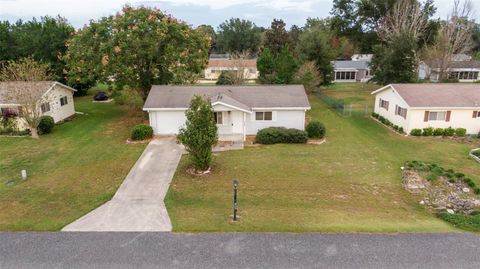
(235, 185)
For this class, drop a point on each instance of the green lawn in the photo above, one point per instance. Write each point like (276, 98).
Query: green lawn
(350, 184)
(71, 171)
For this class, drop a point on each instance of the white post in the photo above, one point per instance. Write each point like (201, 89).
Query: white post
(24, 174)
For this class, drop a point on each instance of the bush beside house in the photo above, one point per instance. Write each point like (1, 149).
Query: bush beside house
(276, 135)
(141, 132)
(46, 124)
(315, 129)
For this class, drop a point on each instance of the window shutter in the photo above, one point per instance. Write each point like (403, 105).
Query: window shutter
(475, 114)
(388, 104)
(448, 115)
(425, 118)
(396, 110)
(380, 102)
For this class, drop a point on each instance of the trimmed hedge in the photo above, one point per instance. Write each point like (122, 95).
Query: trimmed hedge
(275, 135)
(416, 132)
(461, 132)
(46, 125)
(387, 122)
(315, 129)
(141, 132)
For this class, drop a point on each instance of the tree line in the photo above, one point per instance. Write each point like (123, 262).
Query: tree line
(141, 46)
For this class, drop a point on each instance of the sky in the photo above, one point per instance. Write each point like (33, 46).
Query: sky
(194, 12)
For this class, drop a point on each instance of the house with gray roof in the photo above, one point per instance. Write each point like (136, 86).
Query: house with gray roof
(461, 70)
(352, 71)
(51, 98)
(435, 105)
(239, 110)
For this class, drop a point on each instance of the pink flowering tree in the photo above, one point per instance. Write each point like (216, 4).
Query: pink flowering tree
(137, 47)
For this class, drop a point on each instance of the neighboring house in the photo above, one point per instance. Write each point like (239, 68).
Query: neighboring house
(58, 99)
(217, 64)
(463, 71)
(436, 105)
(352, 71)
(239, 110)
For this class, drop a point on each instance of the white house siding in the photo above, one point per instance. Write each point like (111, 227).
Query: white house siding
(58, 112)
(280, 118)
(166, 122)
(169, 122)
(393, 99)
(459, 118)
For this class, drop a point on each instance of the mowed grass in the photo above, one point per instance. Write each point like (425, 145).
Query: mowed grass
(70, 172)
(352, 183)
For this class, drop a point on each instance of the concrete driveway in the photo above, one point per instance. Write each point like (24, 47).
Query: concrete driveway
(138, 204)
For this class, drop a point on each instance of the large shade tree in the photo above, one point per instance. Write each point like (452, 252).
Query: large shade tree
(238, 36)
(43, 40)
(137, 47)
(276, 37)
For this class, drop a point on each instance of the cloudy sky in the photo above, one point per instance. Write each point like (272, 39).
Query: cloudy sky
(195, 12)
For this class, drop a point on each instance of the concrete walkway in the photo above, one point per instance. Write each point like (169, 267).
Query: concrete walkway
(138, 204)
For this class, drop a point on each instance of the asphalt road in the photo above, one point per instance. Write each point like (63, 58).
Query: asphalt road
(253, 250)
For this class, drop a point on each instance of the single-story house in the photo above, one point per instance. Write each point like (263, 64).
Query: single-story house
(463, 71)
(352, 71)
(436, 105)
(56, 99)
(239, 110)
(216, 65)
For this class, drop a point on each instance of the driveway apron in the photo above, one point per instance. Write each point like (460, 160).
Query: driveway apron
(138, 205)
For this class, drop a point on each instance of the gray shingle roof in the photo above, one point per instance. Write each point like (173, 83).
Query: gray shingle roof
(37, 88)
(351, 64)
(440, 94)
(245, 97)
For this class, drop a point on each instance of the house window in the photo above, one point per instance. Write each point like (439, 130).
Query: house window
(9, 111)
(45, 107)
(218, 116)
(263, 115)
(437, 116)
(401, 112)
(383, 104)
(345, 75)
(63, 101)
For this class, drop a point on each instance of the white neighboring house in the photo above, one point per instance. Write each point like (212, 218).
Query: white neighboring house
(461, 70)
(239, 110)
(217, 65)
(352, 71)
(436, 105)
(58, 98)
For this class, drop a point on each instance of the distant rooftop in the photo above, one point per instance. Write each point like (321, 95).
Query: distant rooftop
(351, 64)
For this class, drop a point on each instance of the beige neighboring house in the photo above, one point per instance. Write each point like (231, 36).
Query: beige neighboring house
(217, 65)
(57, 100)
(436, 105)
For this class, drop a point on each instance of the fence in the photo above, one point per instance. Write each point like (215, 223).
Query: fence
(345, 109)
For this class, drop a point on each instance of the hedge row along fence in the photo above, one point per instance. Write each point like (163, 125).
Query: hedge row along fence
(388, 123)
(434, 171)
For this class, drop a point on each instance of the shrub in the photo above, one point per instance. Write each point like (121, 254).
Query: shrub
(274, 135)
(141, 132)
(476, 153)
(400, 129)
(226, 78)
(476, 190)
(438, 132)
(129, 97)
(432, 177)
(427, 131)
(46, 125)
(416, 132)
(459, 175)
(451, 180)
(449, 131)
(375, 115)
(200, 132)
(308, 76)
(460, 132)
(315, 129)
(469, 223)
